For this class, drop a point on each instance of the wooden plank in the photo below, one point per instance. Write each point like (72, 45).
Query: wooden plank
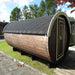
(33, 44)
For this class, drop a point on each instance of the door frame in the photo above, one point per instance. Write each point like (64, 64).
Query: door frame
(57, 58)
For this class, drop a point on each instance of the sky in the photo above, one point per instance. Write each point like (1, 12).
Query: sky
(6, 6)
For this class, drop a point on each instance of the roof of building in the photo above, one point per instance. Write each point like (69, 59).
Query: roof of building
(41, 25)
(30, 26)
(71, 20)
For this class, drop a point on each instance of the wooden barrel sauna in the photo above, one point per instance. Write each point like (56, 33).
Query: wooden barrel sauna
(44, 37)
(72, 39)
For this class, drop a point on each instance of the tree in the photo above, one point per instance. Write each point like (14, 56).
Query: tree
(34, 10)
(15, 14)
(61, 2)
(71, 18)
(50, 7)
(26, 12)
(47, 7)
(41, 9)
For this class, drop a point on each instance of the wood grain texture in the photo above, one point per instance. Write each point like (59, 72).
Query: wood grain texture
(52, 42)
(33, 44)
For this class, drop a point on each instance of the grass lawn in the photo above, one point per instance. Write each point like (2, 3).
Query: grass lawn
(4, 47)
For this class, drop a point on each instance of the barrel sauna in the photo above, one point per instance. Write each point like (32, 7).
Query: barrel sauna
(72, 39)
(44, 37)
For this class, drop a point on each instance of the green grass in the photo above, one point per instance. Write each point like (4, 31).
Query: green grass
(4, 47)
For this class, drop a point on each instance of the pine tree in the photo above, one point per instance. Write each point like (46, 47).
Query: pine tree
(41, 9)
(34, 10)
(50, 7)
(15, 14)
(47, 7)
(26, 12)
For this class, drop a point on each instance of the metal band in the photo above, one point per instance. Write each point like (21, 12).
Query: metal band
(46, 45)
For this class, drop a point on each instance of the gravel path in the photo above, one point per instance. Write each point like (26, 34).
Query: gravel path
(11, 66)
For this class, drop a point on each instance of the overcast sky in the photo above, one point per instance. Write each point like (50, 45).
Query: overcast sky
(6, 6)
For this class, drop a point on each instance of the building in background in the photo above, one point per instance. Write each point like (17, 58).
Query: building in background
(2, 25)
(72, 39)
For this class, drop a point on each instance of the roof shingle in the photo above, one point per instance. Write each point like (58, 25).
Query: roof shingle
(30, 26)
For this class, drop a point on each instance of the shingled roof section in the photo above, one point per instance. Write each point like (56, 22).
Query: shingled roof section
(71, 20)
(30, 26)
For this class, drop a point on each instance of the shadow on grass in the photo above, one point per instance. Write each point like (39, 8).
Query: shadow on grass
(67, 63)
(32, 56)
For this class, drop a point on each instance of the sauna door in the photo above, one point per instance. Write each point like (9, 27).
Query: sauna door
(60, 38)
